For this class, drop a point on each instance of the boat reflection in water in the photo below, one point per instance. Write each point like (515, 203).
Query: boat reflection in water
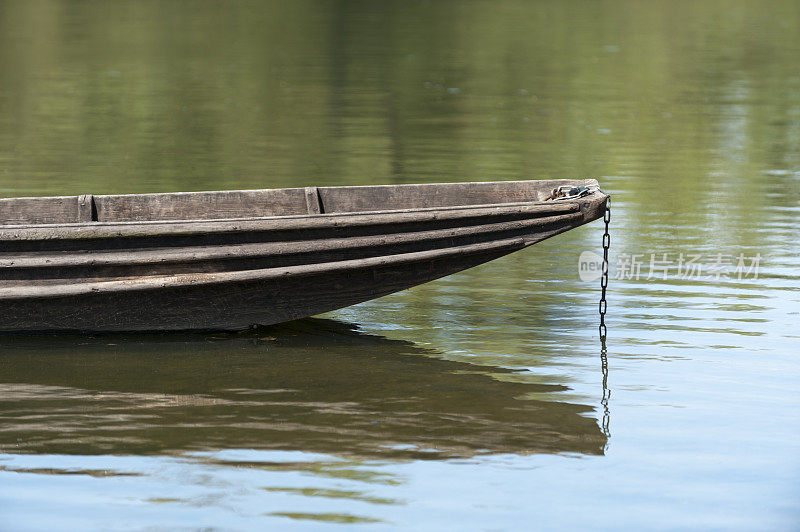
(313, 385)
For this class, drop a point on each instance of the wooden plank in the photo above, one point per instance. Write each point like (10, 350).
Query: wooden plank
(316, 249)
(238, 304)
(201, 205)
(431, 195)
(198, 279)
(45, 210)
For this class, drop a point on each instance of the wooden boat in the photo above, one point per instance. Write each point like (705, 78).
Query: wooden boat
(232, 260)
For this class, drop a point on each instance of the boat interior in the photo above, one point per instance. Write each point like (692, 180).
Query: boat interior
(270, 202)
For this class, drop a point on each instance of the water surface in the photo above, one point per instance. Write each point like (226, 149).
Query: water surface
(476, 401)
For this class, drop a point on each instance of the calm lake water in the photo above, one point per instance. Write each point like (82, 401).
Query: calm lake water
(476, 401)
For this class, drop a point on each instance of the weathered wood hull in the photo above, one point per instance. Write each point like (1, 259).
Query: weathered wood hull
(177, 274)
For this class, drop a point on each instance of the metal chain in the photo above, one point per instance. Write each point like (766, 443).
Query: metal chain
(606, 392)
(604, 273)
(603, 307)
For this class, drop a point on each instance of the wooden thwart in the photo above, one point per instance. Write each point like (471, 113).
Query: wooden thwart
(313, 201)
(86, 208)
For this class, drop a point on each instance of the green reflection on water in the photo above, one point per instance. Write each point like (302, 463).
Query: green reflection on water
(329, 518)
(100, 97)
(316, 385)
(334, 494)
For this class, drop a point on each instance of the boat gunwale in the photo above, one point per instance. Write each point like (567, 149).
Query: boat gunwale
(545, 184)
(98, 230)
(541, 182)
